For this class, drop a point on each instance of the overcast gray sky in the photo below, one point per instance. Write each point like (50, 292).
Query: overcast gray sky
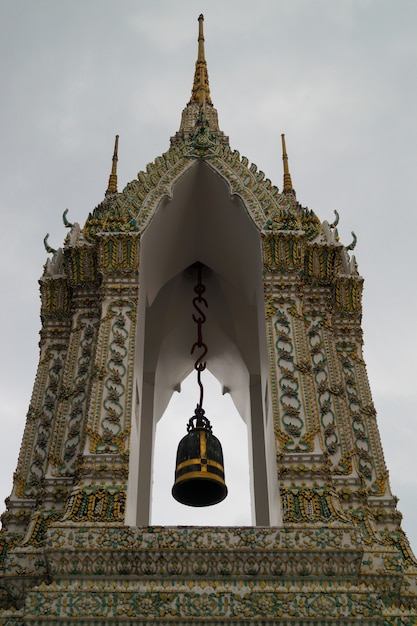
(337, 76)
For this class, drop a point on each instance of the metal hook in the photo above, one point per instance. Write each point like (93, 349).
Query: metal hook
(199, 319)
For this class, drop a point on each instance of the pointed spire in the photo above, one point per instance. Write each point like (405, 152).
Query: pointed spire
(287, 184)
(201, 90)
(112, 187)
(200, 106)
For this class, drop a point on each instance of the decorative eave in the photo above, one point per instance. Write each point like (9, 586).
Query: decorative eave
(134, 207)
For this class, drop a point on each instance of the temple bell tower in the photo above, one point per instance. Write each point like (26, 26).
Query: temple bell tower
(285, 341)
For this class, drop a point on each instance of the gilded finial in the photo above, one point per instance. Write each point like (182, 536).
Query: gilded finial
(201, 90)
(200, 102)
(287, 185)
(112, 187)
(201, 55)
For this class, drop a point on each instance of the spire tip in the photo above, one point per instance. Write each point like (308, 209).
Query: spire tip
(287, 183)
(112, 186)
(201, 90)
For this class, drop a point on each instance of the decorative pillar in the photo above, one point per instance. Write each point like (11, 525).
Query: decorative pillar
(102, 469)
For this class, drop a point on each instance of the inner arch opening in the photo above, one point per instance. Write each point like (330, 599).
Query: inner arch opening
(230, 429)
(202, 223)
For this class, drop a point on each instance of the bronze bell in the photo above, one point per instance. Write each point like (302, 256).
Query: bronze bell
(199, 474)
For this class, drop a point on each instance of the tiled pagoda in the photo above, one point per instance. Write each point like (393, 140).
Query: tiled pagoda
(284, 330)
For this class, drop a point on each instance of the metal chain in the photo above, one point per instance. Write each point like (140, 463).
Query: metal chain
(199, 318)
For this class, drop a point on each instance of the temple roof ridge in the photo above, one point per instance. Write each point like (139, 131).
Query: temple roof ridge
(199, 137)
(132, 208)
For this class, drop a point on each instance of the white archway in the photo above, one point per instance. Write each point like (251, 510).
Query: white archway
(202, 223)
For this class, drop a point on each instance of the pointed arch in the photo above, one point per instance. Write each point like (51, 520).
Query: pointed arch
(201, 220)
